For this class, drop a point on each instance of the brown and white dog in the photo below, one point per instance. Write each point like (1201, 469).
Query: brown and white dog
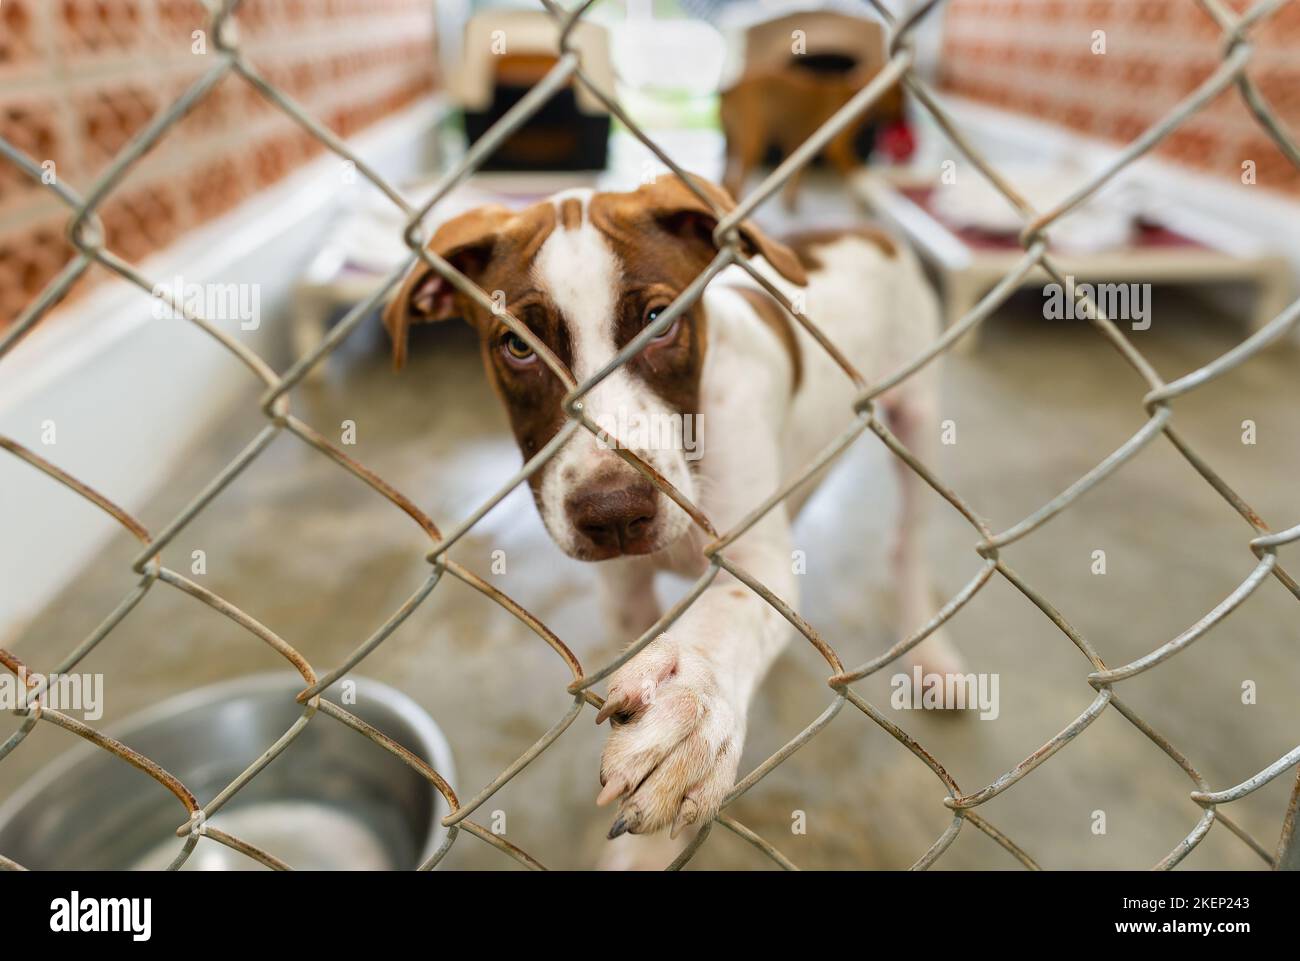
(586, 272)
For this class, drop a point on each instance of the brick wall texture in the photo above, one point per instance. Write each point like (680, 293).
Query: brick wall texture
(1035, 57)
(79, 77)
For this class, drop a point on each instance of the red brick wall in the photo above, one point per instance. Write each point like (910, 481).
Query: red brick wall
(79, 77)
(1034, 57)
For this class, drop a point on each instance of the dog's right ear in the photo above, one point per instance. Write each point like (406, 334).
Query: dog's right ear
(676, 207)
(466, 242)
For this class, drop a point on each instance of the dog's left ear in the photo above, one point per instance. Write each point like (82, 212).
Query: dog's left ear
(677, 208)
(466, 242)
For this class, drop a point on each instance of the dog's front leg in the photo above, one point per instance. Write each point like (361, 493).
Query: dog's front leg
(678, 709)
(628, 601)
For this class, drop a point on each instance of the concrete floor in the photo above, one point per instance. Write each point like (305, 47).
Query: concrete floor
(313, 553)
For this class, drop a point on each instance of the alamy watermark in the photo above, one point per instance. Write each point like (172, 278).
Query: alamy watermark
(67, 693)
(945, 692)
(231, 303)
(640, 431)
(76, 914)
(1130, 302)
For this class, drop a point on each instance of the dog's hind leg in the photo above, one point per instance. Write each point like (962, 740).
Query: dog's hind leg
(910, 417)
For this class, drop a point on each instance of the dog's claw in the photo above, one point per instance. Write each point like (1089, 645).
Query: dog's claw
(610, 791)
(629, 819)
(608, 709)
(686, 816)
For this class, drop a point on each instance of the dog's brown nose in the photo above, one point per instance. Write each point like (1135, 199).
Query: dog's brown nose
(614, 513)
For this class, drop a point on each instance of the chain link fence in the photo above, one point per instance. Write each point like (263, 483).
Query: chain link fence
(87, 237)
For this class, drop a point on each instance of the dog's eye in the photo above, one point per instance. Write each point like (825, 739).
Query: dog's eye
(652, 315)
(517, 348)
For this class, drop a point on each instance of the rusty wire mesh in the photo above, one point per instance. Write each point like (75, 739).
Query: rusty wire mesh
(87, 238)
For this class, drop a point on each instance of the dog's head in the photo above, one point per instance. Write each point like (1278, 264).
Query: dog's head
(586, 272)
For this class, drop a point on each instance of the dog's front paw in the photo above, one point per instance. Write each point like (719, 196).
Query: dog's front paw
(674, 741)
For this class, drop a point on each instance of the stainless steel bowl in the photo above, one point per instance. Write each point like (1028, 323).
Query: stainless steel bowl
(333, 800)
